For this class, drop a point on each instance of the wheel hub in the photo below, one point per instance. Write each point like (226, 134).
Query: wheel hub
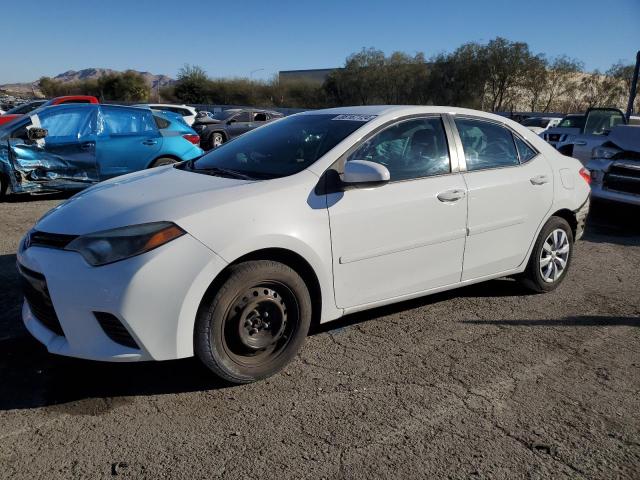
(554, 255)
(262, 318)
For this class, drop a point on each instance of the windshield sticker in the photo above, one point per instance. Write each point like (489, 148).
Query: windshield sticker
(355, 118)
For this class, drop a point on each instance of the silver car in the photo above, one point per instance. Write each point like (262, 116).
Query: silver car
(615, 166)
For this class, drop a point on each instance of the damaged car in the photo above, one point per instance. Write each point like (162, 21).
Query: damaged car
(615, 166)
(70, 147)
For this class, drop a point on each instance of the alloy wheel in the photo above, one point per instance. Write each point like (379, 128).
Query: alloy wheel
(554, 255)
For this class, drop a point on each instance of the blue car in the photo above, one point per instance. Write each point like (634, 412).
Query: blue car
(69, 147)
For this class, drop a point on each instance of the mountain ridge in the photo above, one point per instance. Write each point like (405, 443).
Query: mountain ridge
(92, 73)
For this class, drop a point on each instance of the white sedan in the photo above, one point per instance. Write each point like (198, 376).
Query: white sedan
(233, 256)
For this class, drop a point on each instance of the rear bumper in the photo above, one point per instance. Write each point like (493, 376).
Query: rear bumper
(581, 218)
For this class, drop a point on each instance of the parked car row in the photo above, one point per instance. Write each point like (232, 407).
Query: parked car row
(217, 128)
(609, 145)
(71, 146)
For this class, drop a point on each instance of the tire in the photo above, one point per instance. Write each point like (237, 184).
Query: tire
(163, 161)
(255, 322)
(549, 252)
(215, 140)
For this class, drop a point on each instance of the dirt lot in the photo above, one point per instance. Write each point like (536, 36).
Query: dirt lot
(484, 382)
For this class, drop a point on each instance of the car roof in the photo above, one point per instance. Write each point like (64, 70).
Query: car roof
(393, 111)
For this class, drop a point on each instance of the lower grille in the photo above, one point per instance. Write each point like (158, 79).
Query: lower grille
(36, 293)
(622, 179)
(115, 330)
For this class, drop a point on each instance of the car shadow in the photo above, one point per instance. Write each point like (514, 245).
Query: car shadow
(610, 222)
(577, 321)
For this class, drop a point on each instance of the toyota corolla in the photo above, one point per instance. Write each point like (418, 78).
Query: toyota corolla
(231, 257)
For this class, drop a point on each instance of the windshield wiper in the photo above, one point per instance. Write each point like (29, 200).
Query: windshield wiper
(222, 172)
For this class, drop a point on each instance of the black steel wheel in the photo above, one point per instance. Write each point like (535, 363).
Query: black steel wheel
(255, 323)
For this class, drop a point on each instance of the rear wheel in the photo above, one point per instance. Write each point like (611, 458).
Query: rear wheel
(255, 323)
(163, 161)
(551, 256)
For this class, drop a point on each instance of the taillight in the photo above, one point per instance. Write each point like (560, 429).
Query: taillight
(586, 174)
(195, 139)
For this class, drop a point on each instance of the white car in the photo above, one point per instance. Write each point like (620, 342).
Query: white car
(314, 216)
(187, 112)
(540, 124)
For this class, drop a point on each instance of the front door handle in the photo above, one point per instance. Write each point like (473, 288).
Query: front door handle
(150, 142)
(580, 143)
(539, 180)
(451, 196)
(87, 145)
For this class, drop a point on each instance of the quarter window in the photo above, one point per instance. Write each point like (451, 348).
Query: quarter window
(525, 151)
(486, 145)
(410, 149)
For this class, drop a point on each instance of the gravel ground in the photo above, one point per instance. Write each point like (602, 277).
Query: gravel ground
(483, 382)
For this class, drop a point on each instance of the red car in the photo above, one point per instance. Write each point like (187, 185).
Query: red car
(20, 110)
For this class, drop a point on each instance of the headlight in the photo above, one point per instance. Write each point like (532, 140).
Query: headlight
(111, 246)
(605, 152)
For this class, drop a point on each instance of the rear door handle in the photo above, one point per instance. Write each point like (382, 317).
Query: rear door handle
(451, 196)
(150, 142)
(87, 145)
(539, 180)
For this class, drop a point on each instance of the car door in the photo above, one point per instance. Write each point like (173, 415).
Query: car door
(68, 152)
(510, 191)
(598, 124)
(408, 235)
(239, 124)
(128, 140)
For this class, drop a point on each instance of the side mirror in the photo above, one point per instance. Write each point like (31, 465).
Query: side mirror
(365, 173)
(36, 133)
(231, 120)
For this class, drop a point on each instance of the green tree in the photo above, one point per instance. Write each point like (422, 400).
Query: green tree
(192, 85)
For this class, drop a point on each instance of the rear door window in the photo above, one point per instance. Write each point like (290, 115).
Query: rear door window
(486, 144)
(127, 121)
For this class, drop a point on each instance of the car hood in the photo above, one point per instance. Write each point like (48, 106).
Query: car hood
(563, 130)
(158, 194)
(626, 137)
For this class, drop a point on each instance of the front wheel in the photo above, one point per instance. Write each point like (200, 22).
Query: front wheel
(255, 323)
(551, 256)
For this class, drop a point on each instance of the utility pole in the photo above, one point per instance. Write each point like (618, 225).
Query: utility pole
(634, 87)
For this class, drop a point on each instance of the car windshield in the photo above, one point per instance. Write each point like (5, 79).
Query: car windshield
(223, 115)
(536, 122)
(278, 149)
(25, 107)
(572, 122)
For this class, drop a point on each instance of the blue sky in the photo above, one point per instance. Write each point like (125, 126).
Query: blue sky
(234, 37)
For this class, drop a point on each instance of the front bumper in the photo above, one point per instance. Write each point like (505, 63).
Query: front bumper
(155, 297)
